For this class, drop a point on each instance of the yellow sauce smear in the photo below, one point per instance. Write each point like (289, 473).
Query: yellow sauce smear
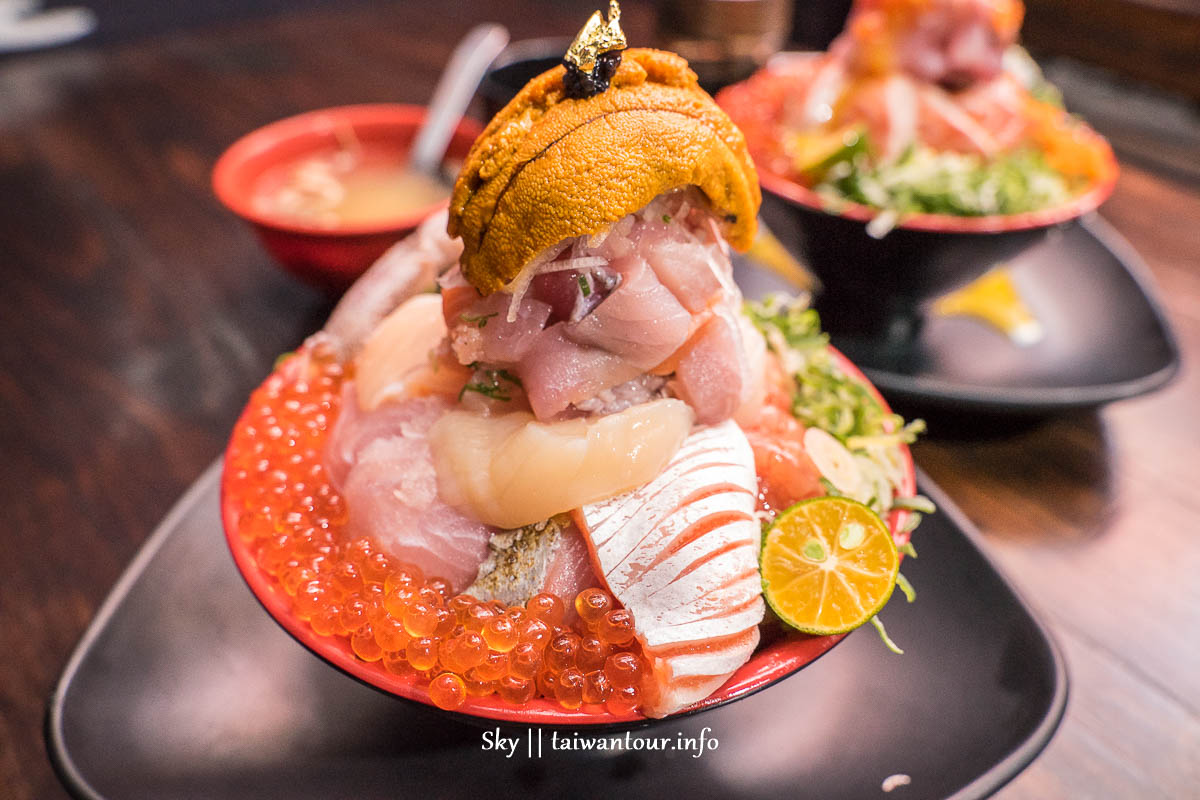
(769, 253)
(993, 299)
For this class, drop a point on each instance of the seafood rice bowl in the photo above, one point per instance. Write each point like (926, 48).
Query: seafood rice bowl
(529, 461)
(923, 113)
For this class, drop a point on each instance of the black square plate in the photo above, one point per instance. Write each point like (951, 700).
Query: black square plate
(183, 687)
(1105, 335)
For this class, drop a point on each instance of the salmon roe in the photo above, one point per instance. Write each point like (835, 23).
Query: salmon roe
(393, 616)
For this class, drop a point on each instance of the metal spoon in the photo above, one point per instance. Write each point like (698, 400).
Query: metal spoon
(468, 64)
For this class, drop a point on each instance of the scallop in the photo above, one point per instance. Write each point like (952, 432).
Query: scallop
(510, 470)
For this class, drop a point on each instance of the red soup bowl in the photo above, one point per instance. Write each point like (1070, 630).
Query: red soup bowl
(780, 654)
(328, 257)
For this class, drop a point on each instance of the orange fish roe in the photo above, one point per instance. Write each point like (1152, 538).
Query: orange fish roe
(391, 613)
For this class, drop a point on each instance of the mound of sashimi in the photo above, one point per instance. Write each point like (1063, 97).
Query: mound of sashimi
(529, 458)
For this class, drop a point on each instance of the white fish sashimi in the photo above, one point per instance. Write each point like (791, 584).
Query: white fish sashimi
(681, 553)
(411, 266)
(383, 466)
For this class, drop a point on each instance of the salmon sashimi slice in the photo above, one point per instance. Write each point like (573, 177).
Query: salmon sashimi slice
(681, 553)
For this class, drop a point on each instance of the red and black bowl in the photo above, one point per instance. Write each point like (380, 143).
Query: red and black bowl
(876, 285)
(782, 653)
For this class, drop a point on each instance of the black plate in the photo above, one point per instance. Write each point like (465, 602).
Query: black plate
(183, 687)
(1105, 336)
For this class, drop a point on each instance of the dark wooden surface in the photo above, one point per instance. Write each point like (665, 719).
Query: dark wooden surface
(136, 315)
(1154, 40)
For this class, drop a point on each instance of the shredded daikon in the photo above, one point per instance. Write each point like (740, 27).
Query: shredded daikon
(541, 265)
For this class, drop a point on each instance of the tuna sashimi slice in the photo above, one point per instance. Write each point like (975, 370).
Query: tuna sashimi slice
(681, 553)
(641, 321)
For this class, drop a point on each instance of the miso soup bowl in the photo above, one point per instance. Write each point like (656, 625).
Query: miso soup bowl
(330, 258)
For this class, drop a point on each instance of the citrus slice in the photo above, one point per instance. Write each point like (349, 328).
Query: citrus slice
(828, 565)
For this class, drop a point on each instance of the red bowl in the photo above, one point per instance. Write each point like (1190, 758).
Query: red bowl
(778, 658)
(330, 258)
(949, 223)
(876, 286)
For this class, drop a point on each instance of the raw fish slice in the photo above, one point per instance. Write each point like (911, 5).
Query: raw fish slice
(689, 268)
(571, 570)
(356, 428)
(409, 267)
(390, 487)
(1000, 106)
(399, 358)
(754, 363)
(944, 125)
(549, 556)
(559, 372)
(711, 376)
(888, 108)
(681, 553)
(482, 333)
(641, 322)
(786, 473)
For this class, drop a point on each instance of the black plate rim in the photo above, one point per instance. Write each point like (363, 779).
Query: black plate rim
(1007, 768)
(975, 397)
(982, 786)
(60, 759)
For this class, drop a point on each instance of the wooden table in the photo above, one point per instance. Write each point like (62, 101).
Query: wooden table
(138, 314)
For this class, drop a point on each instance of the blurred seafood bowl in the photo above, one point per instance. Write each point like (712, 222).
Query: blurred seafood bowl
(327, 191)
(543, 463)
(517, 65)
(921, 149)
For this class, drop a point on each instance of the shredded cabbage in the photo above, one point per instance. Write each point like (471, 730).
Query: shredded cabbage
(825, 397)
(926, 181)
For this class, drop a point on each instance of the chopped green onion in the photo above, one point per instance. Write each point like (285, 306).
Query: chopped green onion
(491, 390)
(908, 549)
(825, 397)
(915, 503)
(490, 386)
(584, 286)
(887, 641)
(924, 180)
(479, 321)
(910, 594)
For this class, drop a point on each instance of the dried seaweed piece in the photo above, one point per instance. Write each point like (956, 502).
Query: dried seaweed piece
(579, 84)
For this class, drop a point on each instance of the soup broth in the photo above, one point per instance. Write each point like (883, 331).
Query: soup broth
(346, 187)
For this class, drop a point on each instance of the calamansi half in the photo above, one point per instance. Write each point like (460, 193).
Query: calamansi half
(828, 565)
